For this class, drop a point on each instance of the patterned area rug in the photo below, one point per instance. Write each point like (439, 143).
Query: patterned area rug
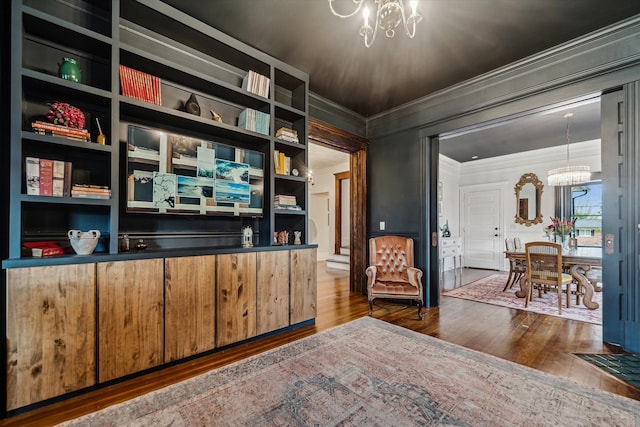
(369, 372)
(489, 290)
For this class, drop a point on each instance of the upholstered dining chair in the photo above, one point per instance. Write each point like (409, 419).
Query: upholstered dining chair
(391, 272)
(544, 270)
(516, 268)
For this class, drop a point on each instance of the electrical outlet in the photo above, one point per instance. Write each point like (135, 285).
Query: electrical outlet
(382, 225)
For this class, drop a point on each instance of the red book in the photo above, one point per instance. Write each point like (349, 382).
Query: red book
(46, 177)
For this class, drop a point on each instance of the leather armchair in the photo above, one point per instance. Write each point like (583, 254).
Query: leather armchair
(391, 272)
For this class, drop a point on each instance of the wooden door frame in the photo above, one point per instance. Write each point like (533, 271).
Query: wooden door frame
(357, 147)
(337, 244)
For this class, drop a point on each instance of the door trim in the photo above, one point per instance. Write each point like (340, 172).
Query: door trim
(357, 146)
(337, 243)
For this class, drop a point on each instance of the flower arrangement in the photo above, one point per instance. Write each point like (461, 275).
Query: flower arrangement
(560, 228)
(61, 113)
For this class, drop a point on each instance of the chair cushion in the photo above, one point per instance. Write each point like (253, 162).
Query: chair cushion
(397, 288)
(566, 278)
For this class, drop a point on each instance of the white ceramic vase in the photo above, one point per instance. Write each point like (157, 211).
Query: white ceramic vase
(84, 242)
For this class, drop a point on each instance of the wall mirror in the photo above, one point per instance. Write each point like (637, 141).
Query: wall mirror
(528, 200)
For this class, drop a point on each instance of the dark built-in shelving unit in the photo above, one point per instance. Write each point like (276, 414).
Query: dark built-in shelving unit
(188, 57)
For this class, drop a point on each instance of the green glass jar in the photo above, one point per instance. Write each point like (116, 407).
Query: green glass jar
(69, 70)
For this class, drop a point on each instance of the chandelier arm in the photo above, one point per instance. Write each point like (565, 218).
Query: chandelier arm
(359, 4)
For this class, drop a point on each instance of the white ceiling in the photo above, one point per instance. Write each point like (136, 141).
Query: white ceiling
(321, 157)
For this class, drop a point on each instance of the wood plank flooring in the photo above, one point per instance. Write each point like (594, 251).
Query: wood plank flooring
(538, 341)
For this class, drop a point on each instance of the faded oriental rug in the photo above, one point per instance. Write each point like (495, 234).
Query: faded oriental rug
(489, 290)
(372, 373)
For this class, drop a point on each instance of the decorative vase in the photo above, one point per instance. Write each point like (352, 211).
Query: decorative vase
(68, 69)
(84, 243)
(297, 240)
(192, 106)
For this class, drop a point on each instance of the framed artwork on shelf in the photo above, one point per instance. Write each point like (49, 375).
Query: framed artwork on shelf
(176, 174)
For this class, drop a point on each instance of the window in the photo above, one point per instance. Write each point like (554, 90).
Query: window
(583, 202)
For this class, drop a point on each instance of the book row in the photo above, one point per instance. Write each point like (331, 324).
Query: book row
(46, 177)
(141, 86)
(255, 121)
(256, 83)
(282, 163)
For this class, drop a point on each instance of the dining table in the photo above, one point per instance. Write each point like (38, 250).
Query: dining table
(579, 261)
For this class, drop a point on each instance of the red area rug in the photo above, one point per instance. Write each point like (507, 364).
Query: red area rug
(371, 373)
(489, 290)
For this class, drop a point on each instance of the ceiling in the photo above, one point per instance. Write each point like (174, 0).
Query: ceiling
(456, 40)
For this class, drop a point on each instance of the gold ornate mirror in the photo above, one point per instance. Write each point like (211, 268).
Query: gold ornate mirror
(528, 200)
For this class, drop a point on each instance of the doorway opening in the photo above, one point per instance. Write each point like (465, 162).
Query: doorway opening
(491, 157)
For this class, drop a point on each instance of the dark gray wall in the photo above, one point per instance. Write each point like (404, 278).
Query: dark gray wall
(396, 181)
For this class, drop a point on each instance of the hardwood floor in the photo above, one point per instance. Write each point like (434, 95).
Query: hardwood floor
(538, 341)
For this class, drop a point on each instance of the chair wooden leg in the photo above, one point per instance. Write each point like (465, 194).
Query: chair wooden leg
(559, 288)
(420, 309)
(371, 307)
(506, 285)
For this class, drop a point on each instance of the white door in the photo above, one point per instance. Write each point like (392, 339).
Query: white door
(482, 211)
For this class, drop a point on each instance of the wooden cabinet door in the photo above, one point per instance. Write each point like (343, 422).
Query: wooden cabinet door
(130, 317)
(303, 285)
(51, 327)
(236, 296)
(273, 291)
(189, 306)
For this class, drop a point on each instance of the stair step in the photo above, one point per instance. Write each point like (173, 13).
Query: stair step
(345, 251)
(338, 264)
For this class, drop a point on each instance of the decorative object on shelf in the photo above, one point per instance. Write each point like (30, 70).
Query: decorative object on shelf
(215, 116)
(389, 15)
(275, 237)
(192, 106)
(101, 138)
(68, 69)
(84, 243)
(295, 172)
(141, 245)
(62, 113)
(445, 229)
(568, 175)
(296, 240)
(283, 238)
(247, 237)
(124, 245)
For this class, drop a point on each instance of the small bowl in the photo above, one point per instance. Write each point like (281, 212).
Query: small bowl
(84, 243)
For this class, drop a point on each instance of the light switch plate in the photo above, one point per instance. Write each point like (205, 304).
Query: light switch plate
(382, 225)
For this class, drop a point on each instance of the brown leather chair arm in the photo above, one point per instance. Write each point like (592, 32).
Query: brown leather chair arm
(415, 275)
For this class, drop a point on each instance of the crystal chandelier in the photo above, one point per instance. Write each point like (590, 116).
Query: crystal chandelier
(390, 14)
(568, 175)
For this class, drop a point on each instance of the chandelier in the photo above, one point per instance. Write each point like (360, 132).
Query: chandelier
(390, 14)
(568, 175)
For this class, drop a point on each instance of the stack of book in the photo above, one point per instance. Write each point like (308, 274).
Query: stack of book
(44, 249)
(45, 128)
(287, 134)
(282, 201)
(281, 163)
(46, 177)
(256, 83)
(255, 121)
(141, 86)
(90, 191)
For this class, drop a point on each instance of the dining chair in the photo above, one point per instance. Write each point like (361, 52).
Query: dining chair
(544, 271)
(518, 244)
(516, 268)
